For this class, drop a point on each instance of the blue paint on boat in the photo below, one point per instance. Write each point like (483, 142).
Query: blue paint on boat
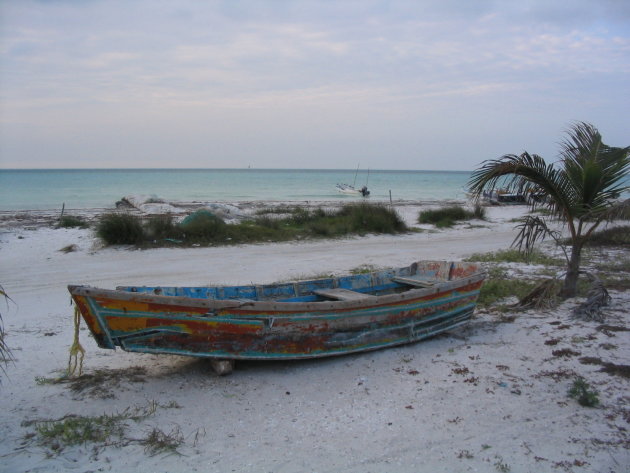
(298, 319)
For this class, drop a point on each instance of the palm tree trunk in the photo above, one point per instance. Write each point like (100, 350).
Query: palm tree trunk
(573, 271)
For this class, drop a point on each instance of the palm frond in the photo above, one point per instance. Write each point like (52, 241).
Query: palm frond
(597, 298)
(583, 141)
(532, 230)
(525, 173)
(581, 190)
(595, 170)
(542, 296)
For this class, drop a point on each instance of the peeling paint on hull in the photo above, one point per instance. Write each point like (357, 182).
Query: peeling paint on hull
(298, 324)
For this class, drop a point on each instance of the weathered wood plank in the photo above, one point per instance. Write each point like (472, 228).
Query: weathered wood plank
(342, 294)
(412, 282)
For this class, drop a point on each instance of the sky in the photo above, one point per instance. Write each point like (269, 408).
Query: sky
(418, 84)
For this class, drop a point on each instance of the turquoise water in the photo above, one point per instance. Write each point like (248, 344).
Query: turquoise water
(101, 188)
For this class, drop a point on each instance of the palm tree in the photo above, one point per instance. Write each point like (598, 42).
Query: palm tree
(581, 190)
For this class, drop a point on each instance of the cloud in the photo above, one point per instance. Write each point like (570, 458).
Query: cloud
(309, 68)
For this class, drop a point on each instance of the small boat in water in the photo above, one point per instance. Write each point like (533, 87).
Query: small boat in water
(351, 189)
(292, 320)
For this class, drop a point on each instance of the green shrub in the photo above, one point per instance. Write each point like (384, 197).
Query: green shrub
(203, 225)
(268, 222)
(300, 216)
(582, 392)
(479, 212)
(120, 229)
(162, 227)
(368, 218)
(448, 216)
(320, 213)
(252, 232)
(328, 228)
(352, 218)
(70, 221)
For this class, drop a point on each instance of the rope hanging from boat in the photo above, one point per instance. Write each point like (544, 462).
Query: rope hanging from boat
(77, 352)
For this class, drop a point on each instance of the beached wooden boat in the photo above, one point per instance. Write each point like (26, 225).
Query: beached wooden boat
(293, 320)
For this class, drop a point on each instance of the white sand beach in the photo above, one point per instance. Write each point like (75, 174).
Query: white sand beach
(490, 396)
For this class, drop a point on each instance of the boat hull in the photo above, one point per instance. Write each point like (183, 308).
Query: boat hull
(351, 190)
(238, 329)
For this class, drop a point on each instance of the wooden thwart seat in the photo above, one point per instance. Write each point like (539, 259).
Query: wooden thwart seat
(342, 294)
(412, 282)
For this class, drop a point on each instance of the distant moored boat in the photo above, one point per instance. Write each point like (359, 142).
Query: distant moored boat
(351, 189)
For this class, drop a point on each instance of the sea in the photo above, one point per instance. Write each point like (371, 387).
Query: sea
(48, 189)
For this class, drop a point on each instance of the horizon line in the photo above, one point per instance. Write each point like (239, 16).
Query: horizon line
(228, 169)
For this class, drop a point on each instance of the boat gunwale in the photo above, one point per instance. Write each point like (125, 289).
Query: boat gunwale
(279, 306)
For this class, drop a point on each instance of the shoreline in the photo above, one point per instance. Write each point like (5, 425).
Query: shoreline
(489, 396)
(38, 218)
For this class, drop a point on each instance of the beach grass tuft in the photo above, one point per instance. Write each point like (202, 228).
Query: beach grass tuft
(76, 430)
(120, 229)
(498, 287)
(446, 217)
(71, 221)
(371, 218)
(159, 442)
(162, 227)
(106, 430)
(515, 256)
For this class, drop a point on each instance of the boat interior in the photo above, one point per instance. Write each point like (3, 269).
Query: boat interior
(351, 287)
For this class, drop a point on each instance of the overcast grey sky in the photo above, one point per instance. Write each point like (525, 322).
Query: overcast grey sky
(413, 84)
